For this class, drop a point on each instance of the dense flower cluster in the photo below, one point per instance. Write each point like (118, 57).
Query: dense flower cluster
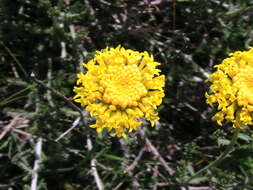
(232, 89)
(120, 87)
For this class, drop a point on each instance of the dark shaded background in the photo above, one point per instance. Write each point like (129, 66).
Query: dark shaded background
(52, 38)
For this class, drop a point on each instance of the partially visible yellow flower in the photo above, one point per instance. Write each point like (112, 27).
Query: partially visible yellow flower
(232, 89)
(120, 87)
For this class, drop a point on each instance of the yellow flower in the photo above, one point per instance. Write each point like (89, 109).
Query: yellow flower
(120, 87)
(232, 89)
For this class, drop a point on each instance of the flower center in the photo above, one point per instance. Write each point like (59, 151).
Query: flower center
(123, 85)
(243, 81)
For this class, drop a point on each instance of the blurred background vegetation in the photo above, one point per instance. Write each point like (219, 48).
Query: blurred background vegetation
(50, 39)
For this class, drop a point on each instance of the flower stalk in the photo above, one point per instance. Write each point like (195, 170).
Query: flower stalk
(219, 159)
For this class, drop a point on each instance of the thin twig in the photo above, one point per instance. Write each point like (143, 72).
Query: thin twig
(118, 186)
(73, 35)
(8, 127)
(208, 148)
(63, 49)
(104, 167)
(219, 159)
(7, 185)
(158, 173)
(135, 163)
(14, 95)
(196, 188)
(22, 132)
(74, 124)
(159, 185)
(38, 150)
(156, 153)
(49, 83)
(98, 180)
(126, 149)
(14, 70)
(57, 93)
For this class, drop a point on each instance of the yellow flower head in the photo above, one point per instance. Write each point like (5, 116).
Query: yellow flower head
(120, 87)
(232, 89)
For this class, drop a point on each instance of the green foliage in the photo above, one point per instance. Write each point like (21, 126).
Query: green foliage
(51, 39)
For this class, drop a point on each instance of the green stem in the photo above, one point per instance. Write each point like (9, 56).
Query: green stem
(13, 96)
(219, 159)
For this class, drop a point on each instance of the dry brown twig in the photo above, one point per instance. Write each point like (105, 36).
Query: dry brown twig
(118, 186)
(58, 94)
(156, 173)
(127, 154)
(156, 153)
(16, 123)
(135, 162)
(157, 185)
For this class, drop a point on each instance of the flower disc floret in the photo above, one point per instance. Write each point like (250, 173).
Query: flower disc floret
(232, 89)
(120, 87)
